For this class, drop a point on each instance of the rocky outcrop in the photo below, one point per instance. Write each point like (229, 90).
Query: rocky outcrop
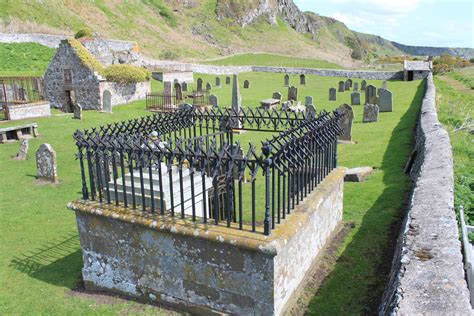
(290, 12)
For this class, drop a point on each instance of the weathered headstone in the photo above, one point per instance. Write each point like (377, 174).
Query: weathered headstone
(277, 95)
(179, 91)
(246, 84)
(355, 98)
(302, 80)
(287, 80)
(167, 88)
(347, 85)
(46, 163)
(23, 151)
(371, 113)
(370, 94)
(346, 122)
(77, 111)
(236, 103)
(356, 86)
(341, 87)
(384, 85)
(308, 100)
(213, 100)
(184, 86)
(350, 82)
(332, 94)
(218, 82)
(385, 101)
(208, 86)
(199, 85)
(227, 80)
(292, 93)
(363, 85)
(310, 110)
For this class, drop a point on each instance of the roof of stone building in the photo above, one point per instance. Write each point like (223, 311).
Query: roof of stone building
(417, 65)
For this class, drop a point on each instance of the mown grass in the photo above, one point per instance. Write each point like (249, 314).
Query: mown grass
(456, 111)
(24, 59)
(40, 258)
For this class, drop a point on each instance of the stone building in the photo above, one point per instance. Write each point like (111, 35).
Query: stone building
(72, 77)
(416, 70)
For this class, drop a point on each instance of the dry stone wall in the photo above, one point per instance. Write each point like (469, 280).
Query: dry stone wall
(124, 93)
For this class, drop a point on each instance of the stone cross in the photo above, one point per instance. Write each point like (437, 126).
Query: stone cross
(347, 85)
(199, 84)
(346, 122)
(277, 95)
(218, 82)
(332, 94)
(213, 100)
(292, 93)
(246, 84)
(370, 93)
(179, 91)
(356, 86)
(371, 113)
(341, 87)
(355, 98)
(302, 80)
(236, 102)
(287, 81)
(208, 86)
(227, 80)
(46, 163)
(77, 111)
(385, 100)
(184, 86)
(363, 85)
(22, 153)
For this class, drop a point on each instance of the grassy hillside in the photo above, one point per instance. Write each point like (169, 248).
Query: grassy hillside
(25, 59)
(252, 59)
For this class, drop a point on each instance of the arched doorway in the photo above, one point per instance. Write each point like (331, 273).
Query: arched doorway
(107, 101)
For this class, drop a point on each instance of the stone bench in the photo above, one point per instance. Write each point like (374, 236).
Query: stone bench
(14, 133)
(269, 103)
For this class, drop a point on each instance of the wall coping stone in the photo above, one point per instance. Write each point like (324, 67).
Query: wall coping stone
(218, 233)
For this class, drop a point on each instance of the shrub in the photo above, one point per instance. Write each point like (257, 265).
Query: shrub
(84, 32)
(168, 55)
(86, 57)
(471, 60)
(122, 73)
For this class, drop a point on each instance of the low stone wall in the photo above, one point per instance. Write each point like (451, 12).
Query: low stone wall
(51, 41)
(427, 272)
(206, 267)
(28, 110)
(124, 93)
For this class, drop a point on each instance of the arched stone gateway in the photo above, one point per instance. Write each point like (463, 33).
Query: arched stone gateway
(107, 101)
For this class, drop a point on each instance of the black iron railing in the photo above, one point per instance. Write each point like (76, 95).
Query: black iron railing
(195, 168)
(162, 102)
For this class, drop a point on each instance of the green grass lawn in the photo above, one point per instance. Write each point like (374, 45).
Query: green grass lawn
(272, 60)
(456, 110)
(24, 59)
(40, 258)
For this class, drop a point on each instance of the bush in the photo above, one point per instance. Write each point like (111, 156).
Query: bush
(85, 32)
(168, 55)
(122, 73)
(471, 60)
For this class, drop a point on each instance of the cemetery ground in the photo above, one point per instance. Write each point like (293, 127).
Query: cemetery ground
(40, 258)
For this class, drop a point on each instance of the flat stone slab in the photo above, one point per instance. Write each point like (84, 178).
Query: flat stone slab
(358, 174)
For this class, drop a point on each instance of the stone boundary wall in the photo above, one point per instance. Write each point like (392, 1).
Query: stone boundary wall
(427, 270)
(124, 93)
(27, 110)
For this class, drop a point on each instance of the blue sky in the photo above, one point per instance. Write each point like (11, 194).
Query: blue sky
(411, 22)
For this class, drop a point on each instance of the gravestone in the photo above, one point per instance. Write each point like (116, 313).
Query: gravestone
(371, 113)
(199, 85)
(208, 86)
(355, 98)
(218, 82)
(213, 100)
(184, 86)
(384, 85)
(341, 87)
(311, 111)
(346, 122)
(287, 81)
(23, 151)
(277, 95)
(236, 103)
(246, 84)
(332, 94)
(286, 105)
(46, 163)
(292, 93)
(237, 153)
(370, 94)
(77, 112)
(347, 85)
(106, 101)
(167, 88)
(385, 101)
(350, 82)
(308, 100)
(179, 91)
(356, 86)
(363, 85)
(302, 80)
(227, 80)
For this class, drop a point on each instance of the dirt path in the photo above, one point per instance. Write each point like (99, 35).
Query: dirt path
(457, 85)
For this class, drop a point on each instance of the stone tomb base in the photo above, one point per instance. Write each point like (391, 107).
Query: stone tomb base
(209, 268)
